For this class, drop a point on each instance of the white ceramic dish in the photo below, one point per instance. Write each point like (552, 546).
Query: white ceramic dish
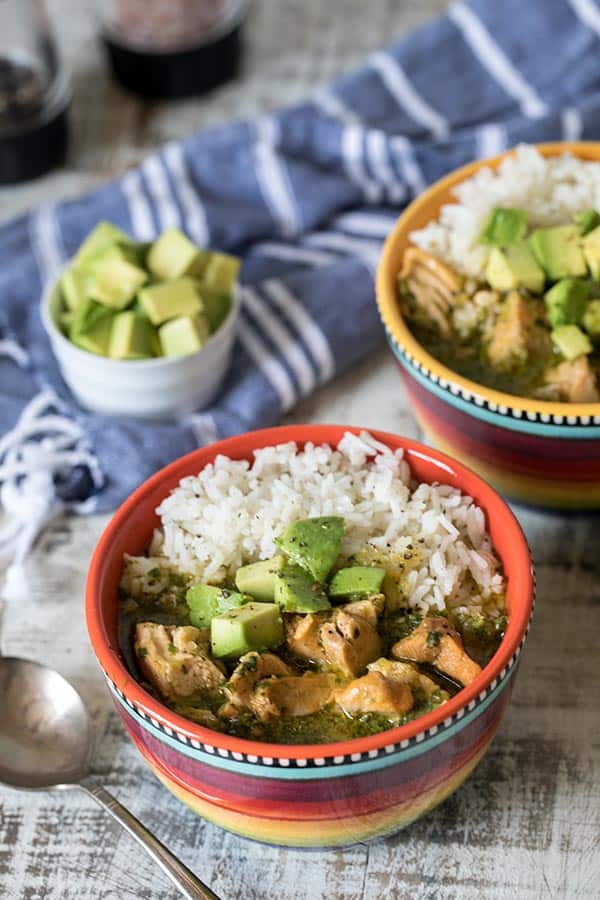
(164, 388)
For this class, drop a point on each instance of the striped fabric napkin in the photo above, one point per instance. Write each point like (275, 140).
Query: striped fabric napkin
(305, 196)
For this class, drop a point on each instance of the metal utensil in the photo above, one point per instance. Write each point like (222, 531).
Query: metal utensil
(45, 745)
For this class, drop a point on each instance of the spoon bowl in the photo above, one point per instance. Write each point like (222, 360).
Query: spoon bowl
(45, 729)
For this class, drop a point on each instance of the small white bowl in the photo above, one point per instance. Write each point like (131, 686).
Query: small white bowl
(164, 388)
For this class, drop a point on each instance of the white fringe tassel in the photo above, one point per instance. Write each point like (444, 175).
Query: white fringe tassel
(45, 443)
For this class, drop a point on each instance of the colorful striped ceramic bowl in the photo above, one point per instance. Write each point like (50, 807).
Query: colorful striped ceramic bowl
(535, 452)
(328, 794)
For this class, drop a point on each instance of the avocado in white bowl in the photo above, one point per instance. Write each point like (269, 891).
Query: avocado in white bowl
(143, 330)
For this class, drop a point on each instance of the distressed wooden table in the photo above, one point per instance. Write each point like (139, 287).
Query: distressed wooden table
(527, 824)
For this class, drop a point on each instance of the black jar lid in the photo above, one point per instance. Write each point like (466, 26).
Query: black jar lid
(177, 73)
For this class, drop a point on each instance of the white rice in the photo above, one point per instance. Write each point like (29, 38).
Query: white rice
(232, 511)
(550, 190)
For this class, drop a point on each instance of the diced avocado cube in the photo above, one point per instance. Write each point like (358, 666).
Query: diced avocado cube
(206, 601)
(173, 255)
(112, 279)
(97, 339)
(184, 335)
(130, 337)
(571, 341)
(356, 580)
(170, 299)
(258, 579)
(221, 272)
(216, 306)
(558, 251)
(591, 252)
(514, 267)
(85, 317)
(296, 591)
(504, 226)
(586, 221)
(104, 235)
(314, 544)
(566, 301)
(72, 286)
(95, 335)
(591, 320)
(139, 310)
(253, 626)
(65, 320)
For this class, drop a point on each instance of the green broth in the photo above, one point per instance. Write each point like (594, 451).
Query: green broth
(481, 637)
(467, 357)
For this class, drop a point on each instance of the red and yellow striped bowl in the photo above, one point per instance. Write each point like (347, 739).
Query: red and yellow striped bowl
(310, 795)
(536, 452)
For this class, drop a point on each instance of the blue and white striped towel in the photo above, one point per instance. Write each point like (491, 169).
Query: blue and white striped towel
(305, 196)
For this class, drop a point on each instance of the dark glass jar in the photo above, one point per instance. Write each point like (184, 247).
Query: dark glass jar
(173, 48)
(34, 93)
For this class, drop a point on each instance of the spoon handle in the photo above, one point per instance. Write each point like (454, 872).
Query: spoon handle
(190, 886)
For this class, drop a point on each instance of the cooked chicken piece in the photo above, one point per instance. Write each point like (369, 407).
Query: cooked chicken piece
(302, 636)
(416, 259)
(405, 673)
(201, 716)
(251, 668)
(573, 381)
(176, 659)
(370, 608)
(350, 642)
(375, 693)
(433, 285)
(346, 638)
(515, 333)
(293, 695)
(435, 641)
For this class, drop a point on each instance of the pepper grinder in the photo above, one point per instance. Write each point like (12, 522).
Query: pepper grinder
(34, 93)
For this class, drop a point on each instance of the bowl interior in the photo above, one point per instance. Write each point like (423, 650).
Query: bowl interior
(130, 530)
(423, 210)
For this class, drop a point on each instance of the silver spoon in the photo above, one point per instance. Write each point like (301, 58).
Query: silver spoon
(45, 745)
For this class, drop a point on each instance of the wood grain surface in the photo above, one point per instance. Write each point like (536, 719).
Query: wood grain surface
(527, 824)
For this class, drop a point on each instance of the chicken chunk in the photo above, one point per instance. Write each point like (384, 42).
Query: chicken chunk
(370, 608)
(350, 642)
(405, 673)
(292, 695)
(201, 716)
(417, 260)
(251, 669)
(176, 659)
(346, 639)
(302, 636)
(573, 381)
(435, 641)
(515, 334)
(377, 694)
(433, 285)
